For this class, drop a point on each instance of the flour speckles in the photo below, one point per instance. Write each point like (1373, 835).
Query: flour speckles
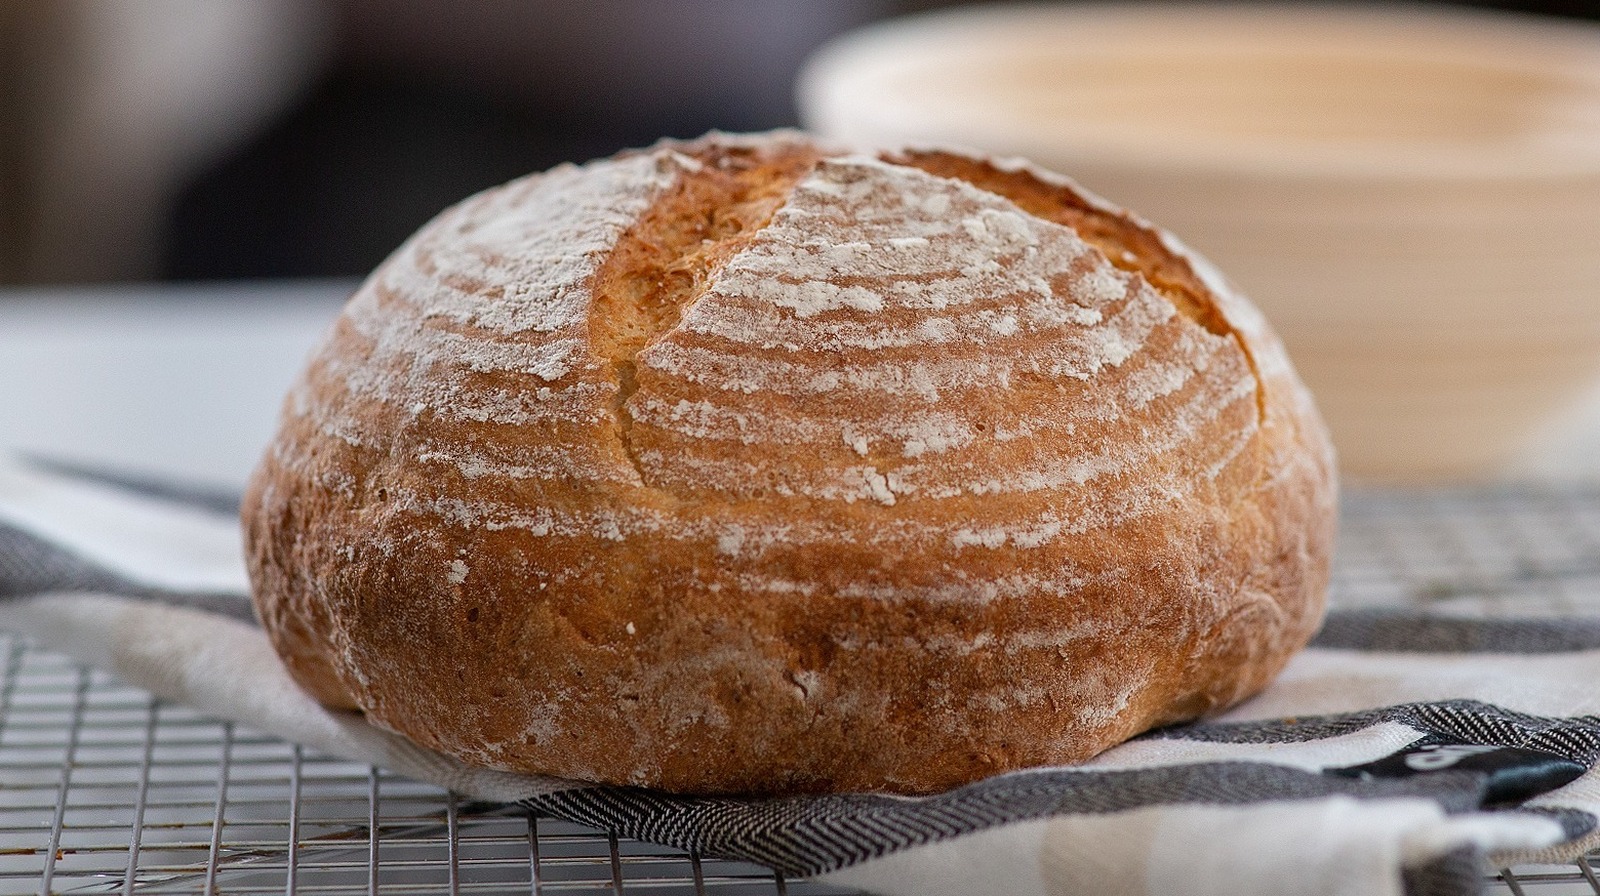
(858, 443)
(731, 540)
(749, 464)
(875, 286)
(811, 297)
(1100, 286)
(878, 486)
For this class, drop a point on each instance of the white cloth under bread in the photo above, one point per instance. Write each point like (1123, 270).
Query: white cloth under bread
(150, 588)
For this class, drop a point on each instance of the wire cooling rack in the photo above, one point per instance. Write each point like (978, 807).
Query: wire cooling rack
(104, 790)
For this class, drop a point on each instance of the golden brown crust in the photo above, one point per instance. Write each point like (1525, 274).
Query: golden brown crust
(746, 465)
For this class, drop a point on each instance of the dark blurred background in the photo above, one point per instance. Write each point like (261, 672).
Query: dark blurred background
(207, 139)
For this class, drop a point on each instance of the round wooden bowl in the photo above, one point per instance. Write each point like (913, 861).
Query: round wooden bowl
(1412, 196)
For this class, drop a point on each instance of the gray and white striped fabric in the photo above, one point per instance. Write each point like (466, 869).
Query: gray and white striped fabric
(1403, 753)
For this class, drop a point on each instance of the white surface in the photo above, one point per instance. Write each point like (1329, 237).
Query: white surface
(182, 380)
(147, 540)
(186, 380)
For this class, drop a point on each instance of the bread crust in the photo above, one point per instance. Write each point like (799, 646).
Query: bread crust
(748, 465)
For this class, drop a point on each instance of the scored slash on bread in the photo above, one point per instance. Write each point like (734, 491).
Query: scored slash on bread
(752, 465)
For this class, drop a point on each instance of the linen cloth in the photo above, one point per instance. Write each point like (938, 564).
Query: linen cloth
(1402, 753)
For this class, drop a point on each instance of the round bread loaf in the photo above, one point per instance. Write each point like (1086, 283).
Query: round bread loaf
(752, 465)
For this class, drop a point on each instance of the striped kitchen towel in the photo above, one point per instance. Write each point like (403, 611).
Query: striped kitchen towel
(1402, 753)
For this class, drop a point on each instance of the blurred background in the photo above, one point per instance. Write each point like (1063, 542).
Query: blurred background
(221, 139)
(190, 188)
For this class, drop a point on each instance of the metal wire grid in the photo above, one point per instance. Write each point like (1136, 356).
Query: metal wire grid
(1526, 551)
(1514, 552)
(104, 790)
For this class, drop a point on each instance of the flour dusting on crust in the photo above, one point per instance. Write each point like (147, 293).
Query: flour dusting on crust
(854, 495)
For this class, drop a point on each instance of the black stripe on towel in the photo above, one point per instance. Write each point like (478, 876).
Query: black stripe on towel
(30, 565)
(805, 836)
(1470, 721)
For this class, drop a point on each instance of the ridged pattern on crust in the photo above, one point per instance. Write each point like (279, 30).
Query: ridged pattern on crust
(743, 465)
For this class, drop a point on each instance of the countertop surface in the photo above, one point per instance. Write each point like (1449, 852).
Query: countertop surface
(186, 380)
(172, 380)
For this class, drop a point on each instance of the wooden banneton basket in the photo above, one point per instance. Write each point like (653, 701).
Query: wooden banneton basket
(1412, 197)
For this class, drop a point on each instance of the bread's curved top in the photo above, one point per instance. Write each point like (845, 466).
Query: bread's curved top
(923, 307)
